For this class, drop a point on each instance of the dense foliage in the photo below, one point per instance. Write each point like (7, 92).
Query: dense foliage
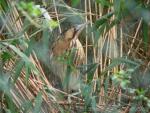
(114, 47)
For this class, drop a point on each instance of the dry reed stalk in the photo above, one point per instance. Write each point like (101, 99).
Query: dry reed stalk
(23, 92)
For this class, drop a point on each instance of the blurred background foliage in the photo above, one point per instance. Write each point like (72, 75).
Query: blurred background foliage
(115, 75)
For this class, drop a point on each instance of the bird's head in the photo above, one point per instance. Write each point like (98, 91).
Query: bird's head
(63, 43)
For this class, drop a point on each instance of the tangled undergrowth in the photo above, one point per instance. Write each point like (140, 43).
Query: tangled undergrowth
(109, 56)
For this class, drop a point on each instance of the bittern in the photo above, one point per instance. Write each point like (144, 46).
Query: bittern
(64, 44)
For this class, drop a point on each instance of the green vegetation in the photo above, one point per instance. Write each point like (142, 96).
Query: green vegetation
(110, 56)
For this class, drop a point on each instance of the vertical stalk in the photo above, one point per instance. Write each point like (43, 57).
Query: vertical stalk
(57, 17)
(86, 38)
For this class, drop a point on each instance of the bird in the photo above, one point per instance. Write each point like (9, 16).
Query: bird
(65, 44)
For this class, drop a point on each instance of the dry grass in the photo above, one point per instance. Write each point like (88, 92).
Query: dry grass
(36, 78)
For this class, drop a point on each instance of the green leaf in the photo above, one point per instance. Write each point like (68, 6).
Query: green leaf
(6, 56)
(103, 19)
(120, 9)
(8, 111)
(90, 71)
(4, 84)
(26, 106)
(133, 109)
(30, 8)
(104, 3)
(86, 93)
(98, 85)
(53, 24)
(93, 103)
(15, 42)
(145, 34)
(106, 85)
(38, 103)
(103, 24)
(27, 72)
(18, 69)
(99, 32)
(24, 57)
(11, 105)
(74, 2)
(117, 61)
(21, 54)
(4, 5)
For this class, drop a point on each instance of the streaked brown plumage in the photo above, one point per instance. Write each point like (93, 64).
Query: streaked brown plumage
(65, 43)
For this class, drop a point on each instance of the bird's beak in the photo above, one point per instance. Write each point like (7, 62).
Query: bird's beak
(78, 29)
